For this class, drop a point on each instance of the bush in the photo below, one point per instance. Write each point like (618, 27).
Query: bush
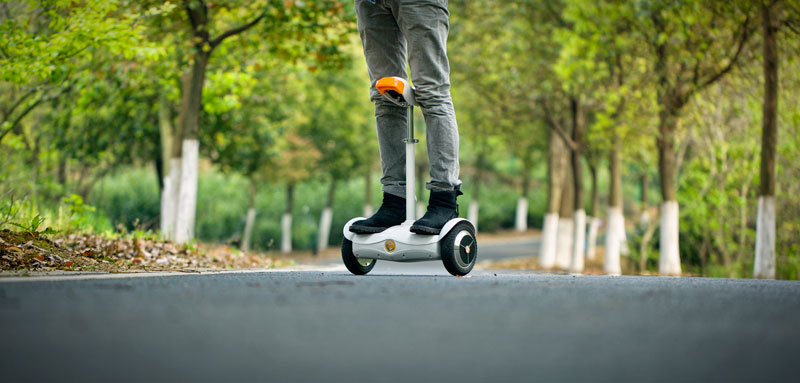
(130, 198)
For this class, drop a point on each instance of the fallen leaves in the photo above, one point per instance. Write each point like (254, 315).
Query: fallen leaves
(92, 252)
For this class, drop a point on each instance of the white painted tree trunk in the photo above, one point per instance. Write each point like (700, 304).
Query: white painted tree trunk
(187, 191)
(248, 228)
(368, 210)
(547, 256)
(764, 266)
(420, 210)
(611, 261)
(591, 247)
(564, 243)
(669, 261)
(169, 198)
(578, 242)
(521, 221)
(472, 214)
(324, 229)
(286, 233)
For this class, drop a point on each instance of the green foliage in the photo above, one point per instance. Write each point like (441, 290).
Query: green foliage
(31, 227)
(128, 198)
(88, 88)
(49, 40)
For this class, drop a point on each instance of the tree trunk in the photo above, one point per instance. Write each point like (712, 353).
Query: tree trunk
(594, 220)
(764, 265)
(35, 175)
(579, 217)
(187, 194)
(565, 220)
(251, 217)
(669, 262)
(368, 194)
(166, 132)
(743, 210)
(555, 176)
(644, 215)
(474, 204)
(521, 216)
(62, 170)
(325, 219)
(645, 245)
(170, 193)
(161, 160)
(286, 221)
(615, 222)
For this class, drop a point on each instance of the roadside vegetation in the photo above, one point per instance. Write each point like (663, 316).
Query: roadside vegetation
(652, 137)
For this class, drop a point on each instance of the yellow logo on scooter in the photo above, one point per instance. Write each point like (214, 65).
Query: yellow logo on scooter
(390, 245)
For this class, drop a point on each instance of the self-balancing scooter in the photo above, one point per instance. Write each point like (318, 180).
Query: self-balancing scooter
(455, 245)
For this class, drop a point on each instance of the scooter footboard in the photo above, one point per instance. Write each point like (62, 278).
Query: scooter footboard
(392, 250)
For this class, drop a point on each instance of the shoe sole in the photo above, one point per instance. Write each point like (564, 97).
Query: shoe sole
(358, 229)
(425, 230)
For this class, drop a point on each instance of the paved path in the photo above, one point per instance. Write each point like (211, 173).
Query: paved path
(332, 326)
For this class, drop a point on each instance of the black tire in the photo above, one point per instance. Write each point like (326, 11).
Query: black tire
(350, 260)
(459, 263)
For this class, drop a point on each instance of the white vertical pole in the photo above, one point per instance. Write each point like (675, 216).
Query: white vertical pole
(410, 171)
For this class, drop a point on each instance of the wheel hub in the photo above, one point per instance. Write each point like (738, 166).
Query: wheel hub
(464, 248)
(365, 262)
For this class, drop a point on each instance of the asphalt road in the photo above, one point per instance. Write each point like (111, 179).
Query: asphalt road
(399, 326)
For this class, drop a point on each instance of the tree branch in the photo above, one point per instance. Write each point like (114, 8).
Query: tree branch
(789, 24)
(16, 104)
(556, 15)
(235, 31)
(556, 126)
(740, 47)
(190, 13)
(30, 107)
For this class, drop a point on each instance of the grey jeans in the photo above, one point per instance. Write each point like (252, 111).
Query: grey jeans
(389, 29)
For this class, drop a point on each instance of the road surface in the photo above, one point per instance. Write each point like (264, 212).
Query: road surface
(328, 325)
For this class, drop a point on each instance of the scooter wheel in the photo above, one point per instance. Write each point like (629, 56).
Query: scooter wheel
(355, 265)
(459, 249)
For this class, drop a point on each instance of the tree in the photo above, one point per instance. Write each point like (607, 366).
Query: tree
(339, 122)
(673, 32)
(76, 37)
(290, 30)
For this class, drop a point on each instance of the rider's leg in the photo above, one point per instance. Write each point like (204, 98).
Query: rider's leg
(425, 24)
(385, 52)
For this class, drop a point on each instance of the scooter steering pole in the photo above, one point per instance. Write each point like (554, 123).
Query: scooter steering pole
(410, 176)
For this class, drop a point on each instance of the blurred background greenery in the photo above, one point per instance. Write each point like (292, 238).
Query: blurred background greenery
(96, 100)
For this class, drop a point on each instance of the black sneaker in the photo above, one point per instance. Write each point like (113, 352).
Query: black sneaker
(442, 207)
(391, 213)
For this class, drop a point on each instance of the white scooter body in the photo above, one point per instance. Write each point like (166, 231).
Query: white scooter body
(398, 243)
(405, 246)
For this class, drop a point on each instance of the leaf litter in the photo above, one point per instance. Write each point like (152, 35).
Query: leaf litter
(34, 251)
